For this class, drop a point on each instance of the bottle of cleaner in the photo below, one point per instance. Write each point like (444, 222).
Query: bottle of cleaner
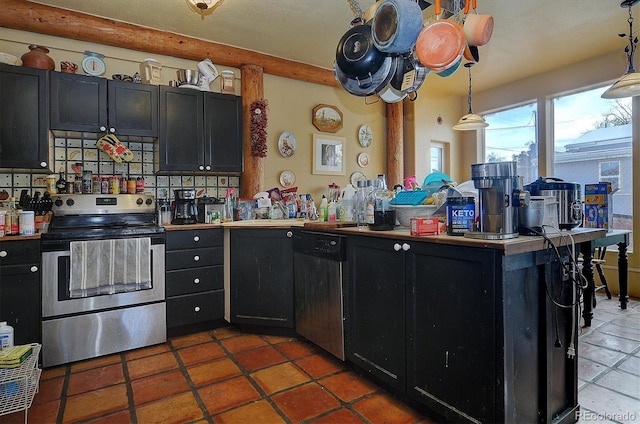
(331, 211)
(347, 202)
(6, 335)
(324, 209)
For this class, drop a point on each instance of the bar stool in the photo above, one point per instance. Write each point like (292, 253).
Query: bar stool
(598, 264)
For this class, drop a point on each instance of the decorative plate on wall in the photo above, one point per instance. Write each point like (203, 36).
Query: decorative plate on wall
(357, 176)
(287, 179)
(363, 160)
(365, 136)
(287, 144)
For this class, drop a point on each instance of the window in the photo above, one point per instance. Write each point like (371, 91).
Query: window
(610, 171)
(437, 157)
(511, 136)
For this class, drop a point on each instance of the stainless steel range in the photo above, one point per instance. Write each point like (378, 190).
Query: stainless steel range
(103, 284)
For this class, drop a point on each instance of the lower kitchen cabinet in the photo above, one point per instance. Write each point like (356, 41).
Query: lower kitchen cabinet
(262, 277)
(472, 334)
(20, 293)
(194, 279)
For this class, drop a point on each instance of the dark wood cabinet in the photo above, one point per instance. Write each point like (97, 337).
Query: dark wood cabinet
(199, 131)
(24, 120)
(262, 277)
(20, 293)
(95, 105)
(375, 311)
(194, 279)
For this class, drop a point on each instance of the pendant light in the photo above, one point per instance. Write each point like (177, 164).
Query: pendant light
(471, 121)
(629, 84)
(203, 7)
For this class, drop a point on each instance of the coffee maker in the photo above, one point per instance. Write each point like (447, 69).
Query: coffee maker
(184, 207)
(500, 194)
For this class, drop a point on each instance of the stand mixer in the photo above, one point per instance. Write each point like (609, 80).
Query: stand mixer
(207, 72)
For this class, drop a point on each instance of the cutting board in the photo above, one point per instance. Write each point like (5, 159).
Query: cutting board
(329, 224)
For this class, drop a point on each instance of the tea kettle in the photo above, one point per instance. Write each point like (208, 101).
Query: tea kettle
(208, 72)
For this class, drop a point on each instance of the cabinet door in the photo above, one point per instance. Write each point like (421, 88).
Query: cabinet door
(262, 277)
(20, 301)
(24, 121)
(78, 103)
(181, 144)
(133, 109)
(375, 314)
(451, 330)
(223, 132)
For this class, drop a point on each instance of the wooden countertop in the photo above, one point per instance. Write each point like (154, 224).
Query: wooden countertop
(36, 236)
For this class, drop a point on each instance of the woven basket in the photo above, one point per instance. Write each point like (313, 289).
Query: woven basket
(405, 212)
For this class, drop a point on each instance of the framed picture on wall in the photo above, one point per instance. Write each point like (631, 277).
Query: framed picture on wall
(327, 118)
(328, 155)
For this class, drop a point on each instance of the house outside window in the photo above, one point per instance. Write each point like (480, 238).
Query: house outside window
(610, 171)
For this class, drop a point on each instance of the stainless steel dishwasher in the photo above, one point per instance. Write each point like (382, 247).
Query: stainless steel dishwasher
(318, 282)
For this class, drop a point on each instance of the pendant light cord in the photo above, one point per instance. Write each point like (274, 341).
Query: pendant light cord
(633, 41)
(468, 66)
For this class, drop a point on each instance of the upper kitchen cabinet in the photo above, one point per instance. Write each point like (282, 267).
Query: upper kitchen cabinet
(96, 105)
(199, 131)
(24, 122)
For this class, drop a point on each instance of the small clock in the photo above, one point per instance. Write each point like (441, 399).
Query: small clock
(93, 64)
(365, 136)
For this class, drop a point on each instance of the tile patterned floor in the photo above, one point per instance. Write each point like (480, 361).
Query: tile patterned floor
(224, 376)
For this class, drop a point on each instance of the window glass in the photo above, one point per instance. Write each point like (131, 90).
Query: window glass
(511, 136)
(437, 157)
(592, 143)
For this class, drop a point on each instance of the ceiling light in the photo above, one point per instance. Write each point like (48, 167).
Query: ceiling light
(471, 121)
(629, 84)
(203, 7)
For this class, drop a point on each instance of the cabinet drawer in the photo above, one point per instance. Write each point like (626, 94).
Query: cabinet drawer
(189, 258)
(19, 252)
(194, 308)
(191, 239)
(194, 280)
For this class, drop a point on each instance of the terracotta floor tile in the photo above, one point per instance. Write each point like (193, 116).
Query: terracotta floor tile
(96, 403)
(341, 416)
(308, 401)
(212, 371)
(176, 409)
(295, 349)
(279, 377)
(225, 333)
(41, 413)
(631, 365)
(243, 342)
(612, 342)
(143, 367)
(53, 372)
(348, 386)
(228, 394)
(607, 402)
(319, 364)
(621, 382)
(190, 340)
(49, 390)
(588, 370)
(158, 386)
(258, 358)
(146, 351)
(95, 363)
(599, 354)
(95, 378)
(625, 331)
(256, 412)
(201, 352)
(120, 417)
(384, 408)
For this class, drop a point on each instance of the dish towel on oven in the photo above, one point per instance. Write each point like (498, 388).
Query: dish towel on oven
(109, 266)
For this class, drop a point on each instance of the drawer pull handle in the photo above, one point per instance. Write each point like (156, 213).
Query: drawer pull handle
(34, 269)
(196, 258)
(3, 253)
(196, 238)
(197, 281)
(197, 309)
(406, 246)
(397, 247)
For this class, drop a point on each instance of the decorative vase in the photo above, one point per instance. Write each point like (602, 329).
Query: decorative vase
(37, 58)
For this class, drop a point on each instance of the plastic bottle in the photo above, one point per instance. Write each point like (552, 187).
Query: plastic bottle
(6, 335)
(324, 206)
(331, 211)
(347, 202)
(12, 225)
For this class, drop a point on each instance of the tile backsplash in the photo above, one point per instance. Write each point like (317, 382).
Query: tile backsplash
(69, 151)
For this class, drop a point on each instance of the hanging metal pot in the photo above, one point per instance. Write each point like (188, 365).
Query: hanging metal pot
(396, 25)
(372, 83)
(356, 55)
(477, 28)
(440, 44)
(396, 89)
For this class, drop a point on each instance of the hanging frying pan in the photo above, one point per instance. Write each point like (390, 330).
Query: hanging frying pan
(356, 55)
(369, 85)
(477, 28)
(396, 25)
(441, 43)
(403, 75)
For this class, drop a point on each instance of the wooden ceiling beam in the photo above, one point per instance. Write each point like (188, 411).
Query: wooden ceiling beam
(43, 19)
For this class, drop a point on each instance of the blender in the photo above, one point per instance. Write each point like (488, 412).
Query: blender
(184, 208)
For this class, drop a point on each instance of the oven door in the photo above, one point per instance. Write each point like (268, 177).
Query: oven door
(56, 270)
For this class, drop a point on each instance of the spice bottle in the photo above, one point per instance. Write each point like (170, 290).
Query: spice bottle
(139, 185)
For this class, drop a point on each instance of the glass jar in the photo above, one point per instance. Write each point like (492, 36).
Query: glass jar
(380, 214)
